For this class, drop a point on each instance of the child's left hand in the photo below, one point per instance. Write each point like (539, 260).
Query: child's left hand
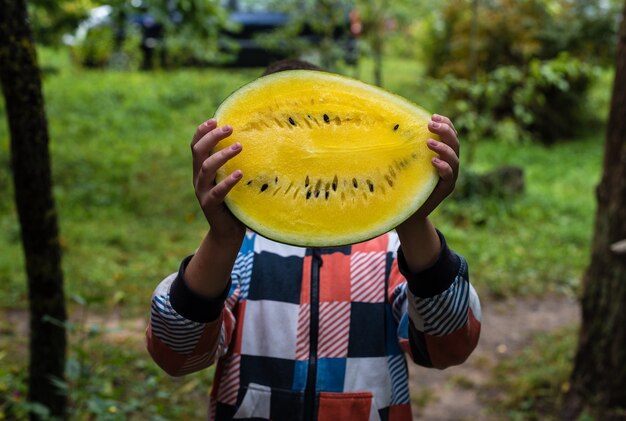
(447, 163)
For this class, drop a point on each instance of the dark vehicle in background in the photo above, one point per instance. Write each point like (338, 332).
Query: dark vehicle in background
(250, 21)
(251, 33)
(242, 42)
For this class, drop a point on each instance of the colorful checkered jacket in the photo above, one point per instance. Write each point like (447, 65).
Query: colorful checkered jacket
(317, 334)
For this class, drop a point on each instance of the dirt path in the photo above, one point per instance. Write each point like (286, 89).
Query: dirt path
(449, 395)
(507, 326)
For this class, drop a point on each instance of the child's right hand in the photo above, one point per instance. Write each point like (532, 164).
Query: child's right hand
(224, 226)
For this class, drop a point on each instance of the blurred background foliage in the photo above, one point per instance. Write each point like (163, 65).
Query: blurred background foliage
(517, 70)
(526, 83)
(526, 64)
(512, 72)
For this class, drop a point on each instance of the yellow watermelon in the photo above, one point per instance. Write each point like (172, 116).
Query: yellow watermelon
(327, 160)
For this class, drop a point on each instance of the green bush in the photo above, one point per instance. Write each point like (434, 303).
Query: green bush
(513, 32)
(546, 101)
(98, 50)
(527, 66)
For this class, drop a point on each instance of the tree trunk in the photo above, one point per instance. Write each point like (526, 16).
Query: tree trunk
(598, 381)
(327, 42)
(30, 163)
(378, 40)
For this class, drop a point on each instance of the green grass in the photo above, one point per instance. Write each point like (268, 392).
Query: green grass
(530, 386)
(120, 152)
(108, 377)
(121, 162)
(128, 215)
(537, 242)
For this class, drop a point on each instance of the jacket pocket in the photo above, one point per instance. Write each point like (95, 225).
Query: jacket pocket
(264, 402)
(353, 406)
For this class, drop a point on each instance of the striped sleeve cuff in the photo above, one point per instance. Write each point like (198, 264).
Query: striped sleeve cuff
(436, 279)
(446, 312)
(193, 306)
(178, 333)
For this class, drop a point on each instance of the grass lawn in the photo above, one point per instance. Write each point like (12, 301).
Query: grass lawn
(128, 215)
(121, 162)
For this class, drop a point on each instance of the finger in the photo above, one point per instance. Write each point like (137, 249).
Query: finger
(206, 175)
(215, 196)
(222, 188)
(445, 171)
(203, 147)
(207, 142)
(445, 152)
(203, 129)
(446, 134)
(443, 119)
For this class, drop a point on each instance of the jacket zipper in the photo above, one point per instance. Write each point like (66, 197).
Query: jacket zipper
(310, 406)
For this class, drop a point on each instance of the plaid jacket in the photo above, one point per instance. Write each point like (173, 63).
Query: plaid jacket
(317, 333)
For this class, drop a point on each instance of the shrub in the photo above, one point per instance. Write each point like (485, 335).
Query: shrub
(508, 64)
(544, 100)
(98, 50)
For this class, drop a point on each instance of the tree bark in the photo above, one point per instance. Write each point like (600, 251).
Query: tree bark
(378, 40)
(30, 163)
(598, 380)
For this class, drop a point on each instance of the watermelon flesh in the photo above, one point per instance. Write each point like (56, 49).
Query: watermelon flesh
(326, 160)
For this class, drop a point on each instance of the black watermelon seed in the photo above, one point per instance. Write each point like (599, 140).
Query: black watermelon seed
(264, 187)
(293, 123)
(355, 183)
(370, 185)
(306, 181)
(317, 193)
(276, 180)
(326, 118)
(335, 183)
(248, 183)
(396, 127)
(326, 195)
(308, 194)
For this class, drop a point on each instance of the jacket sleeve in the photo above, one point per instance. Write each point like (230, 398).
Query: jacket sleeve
(437, 310)
(188, 332)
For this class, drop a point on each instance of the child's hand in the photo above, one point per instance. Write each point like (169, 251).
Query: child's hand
(447, 163)
(418, 238)
(211, 195)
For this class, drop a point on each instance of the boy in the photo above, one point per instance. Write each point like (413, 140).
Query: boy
(313, 333)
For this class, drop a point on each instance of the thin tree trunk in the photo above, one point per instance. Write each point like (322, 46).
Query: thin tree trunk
(30, 163)
(378, 40)
(327, 53)
(377, 50)
(473, 43)
(598, 381)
